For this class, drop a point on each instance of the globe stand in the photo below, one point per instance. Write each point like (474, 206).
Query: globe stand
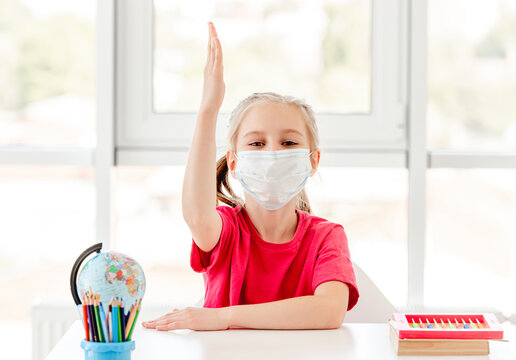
(75, 271)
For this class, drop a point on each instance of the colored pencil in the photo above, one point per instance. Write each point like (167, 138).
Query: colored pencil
(130, 322)
(103, 320)
(92, 322)
(97, 319)
(85, 319)
(97, 303)
(90, 327)
(119, 316)
(110, 322)
(114, 319)
(128, 316)
(122, 319)
(135, 318)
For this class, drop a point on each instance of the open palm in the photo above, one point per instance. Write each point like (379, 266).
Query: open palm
(214, 87)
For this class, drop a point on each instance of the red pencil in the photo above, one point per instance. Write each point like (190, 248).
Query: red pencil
(85, 316)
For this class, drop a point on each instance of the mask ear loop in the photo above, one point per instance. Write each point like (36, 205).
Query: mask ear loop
(310, 156)
(234, 153)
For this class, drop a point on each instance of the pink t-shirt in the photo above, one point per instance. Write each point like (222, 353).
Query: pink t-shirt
(245, 269)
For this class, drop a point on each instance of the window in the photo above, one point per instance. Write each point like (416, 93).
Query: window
(371, 205)
(48, 219)
(47, 73)
(349, 66)
(318, 50)
(471, 74)
(470, 235)
(47, 99)
(148, 212)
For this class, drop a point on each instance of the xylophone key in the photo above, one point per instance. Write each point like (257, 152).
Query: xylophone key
(437, 325)
(428, 324)
(421, 323)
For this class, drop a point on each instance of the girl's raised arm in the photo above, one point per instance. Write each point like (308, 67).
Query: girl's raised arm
(199, 194)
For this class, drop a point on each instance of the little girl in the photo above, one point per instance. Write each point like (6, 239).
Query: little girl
(267, 262)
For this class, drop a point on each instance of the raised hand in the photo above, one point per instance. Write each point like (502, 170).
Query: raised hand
(213, 87)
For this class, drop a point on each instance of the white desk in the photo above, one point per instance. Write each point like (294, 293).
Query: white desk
(351, 341)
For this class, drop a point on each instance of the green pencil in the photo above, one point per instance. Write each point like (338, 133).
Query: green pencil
(97, 318)
(119, 323)
(134, 321)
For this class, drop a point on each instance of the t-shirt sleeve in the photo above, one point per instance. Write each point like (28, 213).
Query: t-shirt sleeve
(334, 263)
(202, 261)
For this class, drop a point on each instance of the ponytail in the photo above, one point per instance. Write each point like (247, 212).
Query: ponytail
(223, 184)
(303, 203)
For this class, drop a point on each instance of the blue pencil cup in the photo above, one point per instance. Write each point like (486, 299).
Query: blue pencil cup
(107, 351)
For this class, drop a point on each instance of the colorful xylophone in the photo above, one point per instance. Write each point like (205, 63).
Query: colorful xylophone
(447, 326)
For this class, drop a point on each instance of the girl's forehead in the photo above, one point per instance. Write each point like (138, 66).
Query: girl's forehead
(273, 117)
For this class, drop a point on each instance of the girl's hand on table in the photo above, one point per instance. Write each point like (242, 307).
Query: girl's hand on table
(191, 318)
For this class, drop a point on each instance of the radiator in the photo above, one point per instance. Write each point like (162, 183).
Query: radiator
(51, 320)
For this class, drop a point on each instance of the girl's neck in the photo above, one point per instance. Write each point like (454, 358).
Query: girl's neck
(277, 226)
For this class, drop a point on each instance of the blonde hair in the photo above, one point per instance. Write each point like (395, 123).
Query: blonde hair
(229, 197)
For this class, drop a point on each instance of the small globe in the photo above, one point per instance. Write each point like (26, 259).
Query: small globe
(112, 274)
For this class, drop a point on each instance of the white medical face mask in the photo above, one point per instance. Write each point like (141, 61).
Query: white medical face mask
(273, 177)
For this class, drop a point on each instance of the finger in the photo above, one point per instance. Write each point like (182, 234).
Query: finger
(212, 54)
(213, 30)
(218, 52)
(160, 318)
(170, 319)
(165, 316)
(157, 319)
(209, 42)
(154, 324)
(148, 325)
(220, 47)
(210, 50)
(173, 326)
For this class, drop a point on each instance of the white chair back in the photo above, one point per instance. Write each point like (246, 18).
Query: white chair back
(372, 306)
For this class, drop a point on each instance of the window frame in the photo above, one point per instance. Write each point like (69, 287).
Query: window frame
(138, 126)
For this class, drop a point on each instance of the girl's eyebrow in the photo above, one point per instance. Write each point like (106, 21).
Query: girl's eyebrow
(288, 131)
(284, 131)
(251, 133)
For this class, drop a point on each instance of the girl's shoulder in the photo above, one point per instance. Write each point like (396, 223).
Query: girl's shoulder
(321, 225)
(229, 211)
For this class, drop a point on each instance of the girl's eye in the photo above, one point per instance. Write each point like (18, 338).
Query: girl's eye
(256, 143)
(289, 143)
